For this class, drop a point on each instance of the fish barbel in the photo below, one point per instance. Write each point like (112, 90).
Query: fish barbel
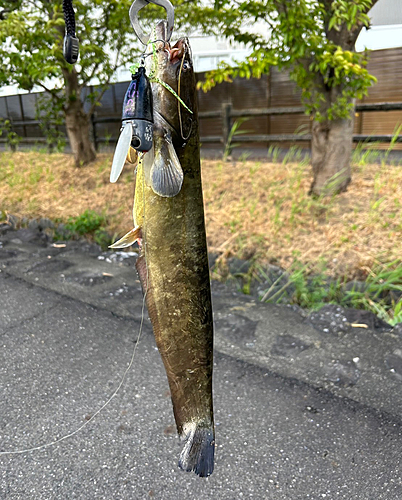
(173, 263)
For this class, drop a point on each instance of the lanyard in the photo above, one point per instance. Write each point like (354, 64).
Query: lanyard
(71, 44)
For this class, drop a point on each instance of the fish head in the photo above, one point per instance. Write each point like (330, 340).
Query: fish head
(173, 66)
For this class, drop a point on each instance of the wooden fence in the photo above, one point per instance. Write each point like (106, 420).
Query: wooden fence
(227, 116)
(271, 104)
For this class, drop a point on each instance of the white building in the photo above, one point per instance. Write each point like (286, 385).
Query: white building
(385, 31)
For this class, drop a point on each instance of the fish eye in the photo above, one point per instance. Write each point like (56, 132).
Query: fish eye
(186, 65)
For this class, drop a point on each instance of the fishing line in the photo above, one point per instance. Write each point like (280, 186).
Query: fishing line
(56, 441)
(178, 103)
(71, 434)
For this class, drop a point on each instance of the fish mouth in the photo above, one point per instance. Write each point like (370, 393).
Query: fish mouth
(178, 50)
(174, 69)
(174, 53)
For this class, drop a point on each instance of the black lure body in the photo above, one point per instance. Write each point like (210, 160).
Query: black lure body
(137, 121)
(138, 109)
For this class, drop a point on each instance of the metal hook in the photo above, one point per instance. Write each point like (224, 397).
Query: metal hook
(139, 4)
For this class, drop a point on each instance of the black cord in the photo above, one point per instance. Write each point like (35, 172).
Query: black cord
(69, 17)
(71, 45)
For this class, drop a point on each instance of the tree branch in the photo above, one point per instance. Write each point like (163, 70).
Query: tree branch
(54, 93)
(105, 85)
(98, 98)
(88, 78)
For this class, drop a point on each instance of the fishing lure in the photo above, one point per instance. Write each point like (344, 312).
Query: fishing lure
(137, 121)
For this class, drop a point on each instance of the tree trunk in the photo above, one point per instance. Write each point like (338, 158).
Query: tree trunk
(78, 130)
(331, 149)
(77, 121)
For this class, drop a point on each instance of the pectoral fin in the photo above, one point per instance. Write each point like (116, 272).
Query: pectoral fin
(129, 239)
(166, 175)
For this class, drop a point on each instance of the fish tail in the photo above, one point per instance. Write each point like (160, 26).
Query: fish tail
(199, 449)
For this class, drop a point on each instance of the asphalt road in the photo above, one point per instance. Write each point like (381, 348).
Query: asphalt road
(278, 436)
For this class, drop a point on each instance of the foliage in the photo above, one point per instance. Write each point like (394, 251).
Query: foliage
(313, 39)
(12, 138)
(49, 113)
(31, 42)
(382, 293)
(31, 49)
(304, 285)
(89, 223)
(86, 223)
(234, 131)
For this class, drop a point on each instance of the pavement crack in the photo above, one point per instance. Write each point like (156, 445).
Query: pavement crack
(42, 310)
(24, 321)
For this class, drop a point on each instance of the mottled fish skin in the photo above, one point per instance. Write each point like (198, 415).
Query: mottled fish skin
(173, 268)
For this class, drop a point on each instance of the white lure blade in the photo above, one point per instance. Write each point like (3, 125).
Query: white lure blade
(120, 154)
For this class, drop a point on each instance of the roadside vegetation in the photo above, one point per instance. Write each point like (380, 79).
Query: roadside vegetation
(344, 249)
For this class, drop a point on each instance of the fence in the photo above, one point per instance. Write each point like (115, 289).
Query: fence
(271, 103)
(227, 114)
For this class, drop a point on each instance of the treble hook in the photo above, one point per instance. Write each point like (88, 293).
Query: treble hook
(139, 4)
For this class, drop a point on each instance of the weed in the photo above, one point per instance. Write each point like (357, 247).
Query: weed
(274, 152)
(331, 186)
(102, 238)
(233, 132)
(395, 136)
(89, 223)
(375, 205)
(310, 286)
(382, 293)
(293, 154)
(15, 179)
(86, 223)
(365, 153)
(105, 165)
(245, 156)
(107, 137)
(35, 175)
(6, 130)
(254, 168)
(277, 221)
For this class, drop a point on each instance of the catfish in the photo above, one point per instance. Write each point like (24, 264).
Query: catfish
(173, 265)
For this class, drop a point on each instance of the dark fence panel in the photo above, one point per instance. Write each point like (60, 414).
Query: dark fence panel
(28, 107)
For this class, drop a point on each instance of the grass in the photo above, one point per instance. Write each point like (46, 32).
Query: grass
(89, 223)
(35, 185)
(382, 293)
(254, 210)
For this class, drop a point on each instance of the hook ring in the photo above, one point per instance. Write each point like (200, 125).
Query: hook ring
(138, 5)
